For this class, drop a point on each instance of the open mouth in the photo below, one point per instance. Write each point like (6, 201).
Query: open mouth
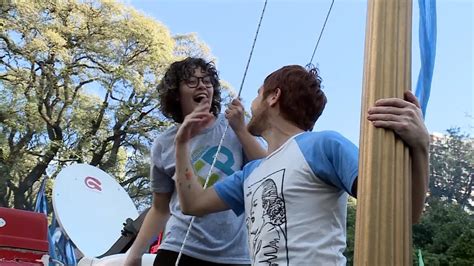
(198, 98)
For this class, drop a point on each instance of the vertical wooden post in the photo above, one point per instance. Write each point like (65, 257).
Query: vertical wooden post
(383, 225)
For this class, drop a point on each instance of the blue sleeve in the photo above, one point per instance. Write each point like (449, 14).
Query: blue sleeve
(231, 188)
(333, 158)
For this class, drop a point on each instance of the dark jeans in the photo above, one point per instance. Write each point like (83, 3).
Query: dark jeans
(168, 258)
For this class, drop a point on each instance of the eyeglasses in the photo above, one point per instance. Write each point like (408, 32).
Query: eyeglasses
(193, 82)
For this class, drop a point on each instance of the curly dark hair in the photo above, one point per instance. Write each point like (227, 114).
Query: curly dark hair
(168, 89)
(302, 101)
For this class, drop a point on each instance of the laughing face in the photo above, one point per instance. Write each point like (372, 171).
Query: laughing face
(195, 89)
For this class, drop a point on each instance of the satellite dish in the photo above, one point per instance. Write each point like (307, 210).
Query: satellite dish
(91, 207)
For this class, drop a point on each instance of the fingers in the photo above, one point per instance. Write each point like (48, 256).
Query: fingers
(198, 118)
(384, 117)
(200, 114)
(203, 106)
(237, 102)
(234, 108)
(386, 110)
(409, 96)
(395, 102)
(408, 106)
(201, 111)
(403, 116)
(194, 122)
(393, 114)
(395, 126)
(192, 125)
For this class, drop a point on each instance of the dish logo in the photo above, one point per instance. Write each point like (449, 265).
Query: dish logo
(93, 183)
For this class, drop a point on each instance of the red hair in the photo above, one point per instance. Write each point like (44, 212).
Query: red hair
(301, 101)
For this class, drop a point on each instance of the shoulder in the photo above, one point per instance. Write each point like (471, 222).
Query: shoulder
(331, 156)
(319, 136)
(167, 134)
(321, 139)
(165, 139)
(250, 167)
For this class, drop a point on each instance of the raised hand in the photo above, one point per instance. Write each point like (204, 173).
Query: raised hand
(235, 115)
(195, 122)
(403, 116)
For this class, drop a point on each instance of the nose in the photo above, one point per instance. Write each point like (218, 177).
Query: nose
(201, 84)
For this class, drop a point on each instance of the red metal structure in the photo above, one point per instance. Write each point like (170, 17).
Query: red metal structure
(23, 237)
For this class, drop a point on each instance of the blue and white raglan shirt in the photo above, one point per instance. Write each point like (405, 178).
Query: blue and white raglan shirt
(295, 200)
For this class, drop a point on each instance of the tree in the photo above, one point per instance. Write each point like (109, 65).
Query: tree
(350, 230)
(445, 235)
(78, 84)
(452, 169)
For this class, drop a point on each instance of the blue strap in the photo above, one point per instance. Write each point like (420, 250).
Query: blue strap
(427, 39)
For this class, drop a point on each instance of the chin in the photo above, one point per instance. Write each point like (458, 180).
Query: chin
(254, 129)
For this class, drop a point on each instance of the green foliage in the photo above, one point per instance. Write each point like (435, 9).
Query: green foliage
(78, 84)
(452, 169)
(350, 230)
(445, 235)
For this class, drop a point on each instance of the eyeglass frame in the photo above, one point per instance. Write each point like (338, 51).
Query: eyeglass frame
(199, 79)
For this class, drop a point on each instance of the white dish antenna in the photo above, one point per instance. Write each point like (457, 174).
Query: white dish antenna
(91, 208)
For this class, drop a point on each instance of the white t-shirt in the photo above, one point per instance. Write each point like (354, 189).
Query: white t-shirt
(295, 200)
(217, 237)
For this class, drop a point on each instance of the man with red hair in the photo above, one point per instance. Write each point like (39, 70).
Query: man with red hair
(295, 198)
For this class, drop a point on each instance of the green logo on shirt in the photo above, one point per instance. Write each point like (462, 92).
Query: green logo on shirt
(224, 163)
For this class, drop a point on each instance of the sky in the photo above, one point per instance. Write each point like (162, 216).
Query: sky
(289, 32)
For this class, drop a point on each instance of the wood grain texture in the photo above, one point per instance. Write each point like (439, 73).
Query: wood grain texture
(383, 225)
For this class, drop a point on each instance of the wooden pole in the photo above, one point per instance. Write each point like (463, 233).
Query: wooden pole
(383, 225)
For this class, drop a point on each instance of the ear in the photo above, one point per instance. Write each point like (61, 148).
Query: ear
(274, 97)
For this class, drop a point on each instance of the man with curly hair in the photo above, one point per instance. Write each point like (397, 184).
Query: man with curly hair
(302, 185)
(217, 239)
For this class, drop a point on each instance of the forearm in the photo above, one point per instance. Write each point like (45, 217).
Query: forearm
(152, 225)
(420, 176)
(252, 148)
(188, 187)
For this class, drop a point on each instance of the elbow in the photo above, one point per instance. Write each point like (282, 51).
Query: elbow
(416, 220)
(417, 213)
(187, 210)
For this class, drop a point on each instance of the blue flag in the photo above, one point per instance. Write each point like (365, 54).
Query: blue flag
(41, 206)
(427, 40)
(60, 247)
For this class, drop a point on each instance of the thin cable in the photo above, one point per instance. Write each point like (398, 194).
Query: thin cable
(224, 133)
(253, 46)
(205, 185)
(321, 34)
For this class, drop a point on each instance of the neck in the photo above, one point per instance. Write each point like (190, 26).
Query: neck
(278, 132)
